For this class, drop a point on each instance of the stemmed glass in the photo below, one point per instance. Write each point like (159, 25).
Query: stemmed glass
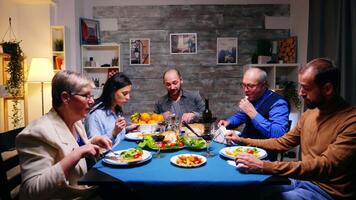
(208, 136)
(158, 138)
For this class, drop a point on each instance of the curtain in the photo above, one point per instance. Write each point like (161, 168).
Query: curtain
(332, 33)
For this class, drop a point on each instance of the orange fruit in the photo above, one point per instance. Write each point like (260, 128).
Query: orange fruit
(160, 118)
(151, 121)
(155, 116)
(141, 122)
(145, 117)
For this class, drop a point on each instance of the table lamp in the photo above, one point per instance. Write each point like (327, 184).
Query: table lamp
(40, 72)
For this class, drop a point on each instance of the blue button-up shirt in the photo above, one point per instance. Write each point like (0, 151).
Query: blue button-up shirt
(275, 126)
(102, 122)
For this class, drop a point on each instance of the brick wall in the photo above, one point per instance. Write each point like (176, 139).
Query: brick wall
(219, 83)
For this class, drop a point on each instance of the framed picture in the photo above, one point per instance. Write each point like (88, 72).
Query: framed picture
(287, 50)
(140, 51)
(183, 43)
(89, 31)
(226, 50)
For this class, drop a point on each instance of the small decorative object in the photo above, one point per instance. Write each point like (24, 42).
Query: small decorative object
(92, 62)
(58, 45)
(287, 50)
(226, 50)
(59, 62)
(183, 43)
(115, 62)
(15, 69)
(89, 31)
(139, 51)
(263, 49)
(112, 71)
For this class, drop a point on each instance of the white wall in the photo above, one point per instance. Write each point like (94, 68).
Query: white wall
(299, 26)
(31, 24)
(34, 21)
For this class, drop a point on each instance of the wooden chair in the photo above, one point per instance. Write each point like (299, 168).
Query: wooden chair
(10, 176)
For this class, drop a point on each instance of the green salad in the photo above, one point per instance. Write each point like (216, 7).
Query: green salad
(194, 143)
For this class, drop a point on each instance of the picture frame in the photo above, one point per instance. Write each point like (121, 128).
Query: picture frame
(226, 50)
(89, 31)
(287, 49)
(140, 52)
(183, 43)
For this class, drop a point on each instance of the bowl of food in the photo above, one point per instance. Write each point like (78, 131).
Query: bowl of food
(148, 128)
(148, 122)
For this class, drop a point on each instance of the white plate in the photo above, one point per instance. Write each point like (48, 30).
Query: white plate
(134, 136)
(261, 152)
(175, 158)
(145, 156)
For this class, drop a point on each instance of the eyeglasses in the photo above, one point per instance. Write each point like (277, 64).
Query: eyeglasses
(86, 96)
(249, 86)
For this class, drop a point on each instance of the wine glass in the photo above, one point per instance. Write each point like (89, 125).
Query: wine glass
(208, 136)
(158, 138)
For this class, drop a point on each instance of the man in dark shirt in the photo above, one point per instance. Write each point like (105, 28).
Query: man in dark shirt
(184, 104)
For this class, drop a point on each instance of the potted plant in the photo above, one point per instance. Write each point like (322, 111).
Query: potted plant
(290, 92)
(14, 85)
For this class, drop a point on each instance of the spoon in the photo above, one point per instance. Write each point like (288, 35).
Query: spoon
(190, 128)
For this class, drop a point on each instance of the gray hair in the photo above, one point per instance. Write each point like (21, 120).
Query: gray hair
(67, 81)
(262, 75)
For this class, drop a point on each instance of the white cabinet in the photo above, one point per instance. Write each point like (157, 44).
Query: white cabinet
(58, 39)
(99, 62)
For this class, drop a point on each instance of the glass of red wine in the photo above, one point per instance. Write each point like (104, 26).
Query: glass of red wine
(158, 138)
(208, 136)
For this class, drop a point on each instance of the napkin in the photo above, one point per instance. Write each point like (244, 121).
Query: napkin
(220, 135)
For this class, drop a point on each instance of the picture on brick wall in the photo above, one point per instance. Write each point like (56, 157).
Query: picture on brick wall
(183, 43)
(89, 31)
(226, 50)
(140, 51)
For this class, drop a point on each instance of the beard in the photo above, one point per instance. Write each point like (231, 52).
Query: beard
(314, 104)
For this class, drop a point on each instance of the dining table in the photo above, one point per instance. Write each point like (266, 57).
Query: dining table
(160, 175)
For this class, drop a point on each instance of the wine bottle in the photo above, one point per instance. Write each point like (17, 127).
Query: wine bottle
(207, 115)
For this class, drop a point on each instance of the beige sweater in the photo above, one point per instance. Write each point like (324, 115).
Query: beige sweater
(328, 144)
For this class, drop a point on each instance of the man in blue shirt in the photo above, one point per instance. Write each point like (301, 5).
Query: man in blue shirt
(264, 112)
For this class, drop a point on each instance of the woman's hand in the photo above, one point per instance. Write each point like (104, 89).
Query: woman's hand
(69, 161)
(132, 128)
(101, 141)
(119, 126)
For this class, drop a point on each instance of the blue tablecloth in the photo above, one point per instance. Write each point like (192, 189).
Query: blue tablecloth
(160, 172)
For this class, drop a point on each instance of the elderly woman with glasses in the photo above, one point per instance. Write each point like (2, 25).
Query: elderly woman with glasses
(52, 149)
(106, 118)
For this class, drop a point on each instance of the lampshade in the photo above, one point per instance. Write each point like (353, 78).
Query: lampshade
(40, 70)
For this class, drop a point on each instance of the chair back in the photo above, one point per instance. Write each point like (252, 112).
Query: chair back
(281, 156)
(10, 174)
